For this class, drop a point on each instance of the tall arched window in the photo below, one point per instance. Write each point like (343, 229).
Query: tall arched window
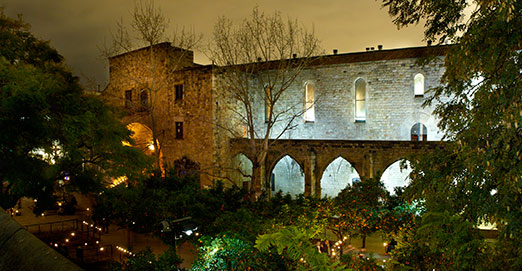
(360, 100)
(268, 103)
(419, 84)
(419, 132)
(309, 115)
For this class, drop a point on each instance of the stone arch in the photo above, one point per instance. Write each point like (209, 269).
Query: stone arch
(241, 170)
(393, 176)
(142, 137)
(337, 175)
(287, 176)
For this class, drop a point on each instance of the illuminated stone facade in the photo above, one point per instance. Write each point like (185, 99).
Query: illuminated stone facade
(388, 109)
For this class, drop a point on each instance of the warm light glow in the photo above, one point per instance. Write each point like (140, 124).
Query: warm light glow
(101, 249)
(118, 181)
(385, 244)
(125, 143)
(151, 147)
(66, 240)
(72, 233)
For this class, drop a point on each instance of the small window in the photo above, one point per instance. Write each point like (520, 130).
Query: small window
(418, 85)
(179, 92)
(419, 132)
(144, 99)
(179, 130)
(128, 98)
(360, 100)
(268, 103)
(309, 114)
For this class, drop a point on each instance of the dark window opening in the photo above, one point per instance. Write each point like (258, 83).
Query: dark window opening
(179, 93)
(144, 99)
(179, 130)
(272, 182)
(128, 98)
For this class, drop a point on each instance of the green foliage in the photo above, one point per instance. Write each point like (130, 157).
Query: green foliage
(48, 128)
(361, 263)
(143, 204)
(146, 261)
(294, 242)
(477, 176)
(223, 252)
(360, 207)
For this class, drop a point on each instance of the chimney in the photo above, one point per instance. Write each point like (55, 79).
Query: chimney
(367, 49)
(294, 55)
(373, 48)
(334, 51)
(379, 46)
(259, 59)
(429, 42)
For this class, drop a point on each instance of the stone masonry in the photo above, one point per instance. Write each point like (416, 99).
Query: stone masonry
(392, 109)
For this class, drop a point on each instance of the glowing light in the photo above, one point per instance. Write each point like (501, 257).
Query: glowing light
(72, 233)
(87, 209)
(55, 245)
(118, 181)
(101, 249)
(43, 214)
(151, 147)
(85, 244)
(385, 244)
(125, 143)
(66, 240)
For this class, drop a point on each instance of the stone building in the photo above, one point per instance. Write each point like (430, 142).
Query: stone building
(373, 98)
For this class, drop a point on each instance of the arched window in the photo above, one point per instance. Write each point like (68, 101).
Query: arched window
(419, 84)
(360, 100)
(309, 115)
(419, 132)
(268, 103)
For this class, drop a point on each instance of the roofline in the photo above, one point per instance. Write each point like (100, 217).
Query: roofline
(166, 43)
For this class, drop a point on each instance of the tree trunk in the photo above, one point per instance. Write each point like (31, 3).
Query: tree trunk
(257, 176)
(364, 241)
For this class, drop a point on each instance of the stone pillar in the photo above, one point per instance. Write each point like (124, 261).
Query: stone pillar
(310, 178)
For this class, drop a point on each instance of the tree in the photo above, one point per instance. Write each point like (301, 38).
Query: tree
(52, 134)
(359, 208)
(156, 71)
(476, 178)
(259, 64)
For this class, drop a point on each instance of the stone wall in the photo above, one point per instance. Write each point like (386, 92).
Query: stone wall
(392, 107)
(210, 118)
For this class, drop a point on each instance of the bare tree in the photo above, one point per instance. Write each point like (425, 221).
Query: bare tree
(151, 71)
(260, 60)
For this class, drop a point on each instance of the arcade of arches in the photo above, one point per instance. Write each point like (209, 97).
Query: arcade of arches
(325, 167)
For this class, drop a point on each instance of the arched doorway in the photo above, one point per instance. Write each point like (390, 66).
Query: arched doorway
(395, 176)
(339, 174)
(287, 177)
(142, 136)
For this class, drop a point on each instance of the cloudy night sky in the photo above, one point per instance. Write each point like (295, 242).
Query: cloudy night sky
(77, 28)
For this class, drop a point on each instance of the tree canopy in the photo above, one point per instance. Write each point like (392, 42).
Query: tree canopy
(52, 135)
(478, 176)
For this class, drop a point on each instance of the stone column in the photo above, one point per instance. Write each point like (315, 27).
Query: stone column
(310, 178)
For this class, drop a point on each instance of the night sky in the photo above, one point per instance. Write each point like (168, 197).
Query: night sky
(76, 28)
